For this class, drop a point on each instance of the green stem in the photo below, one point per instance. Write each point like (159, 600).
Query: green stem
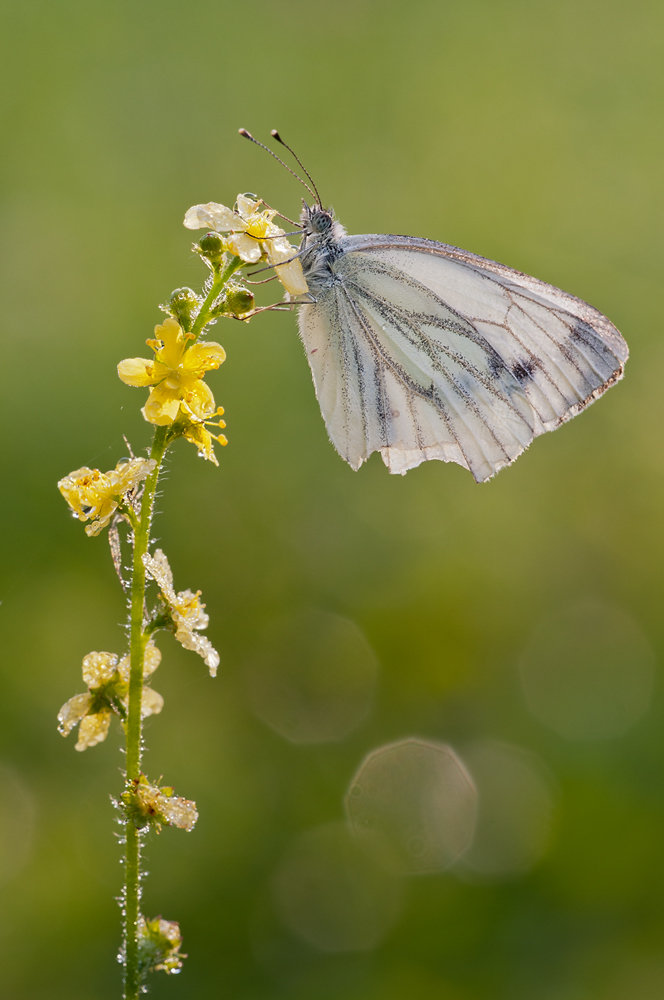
(133, 725)
(218, 283)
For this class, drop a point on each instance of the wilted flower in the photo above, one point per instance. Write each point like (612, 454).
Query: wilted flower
(146, 804)
(107, 678)
(175, 374)
(252, 234)
(95, 496)
(159, 943)
(186, 611)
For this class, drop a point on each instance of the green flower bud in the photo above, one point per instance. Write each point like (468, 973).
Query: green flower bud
(212, 247)
(182, 305)
(238, 300)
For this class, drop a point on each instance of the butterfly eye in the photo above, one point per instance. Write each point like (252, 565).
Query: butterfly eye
(321, 222)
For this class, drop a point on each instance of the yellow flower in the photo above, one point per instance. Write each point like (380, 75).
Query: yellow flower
(175, 374)
(95, 495)
(253, 234)
(186, 611)
(107, 678)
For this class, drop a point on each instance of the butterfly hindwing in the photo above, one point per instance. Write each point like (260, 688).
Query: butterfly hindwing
(422, 351)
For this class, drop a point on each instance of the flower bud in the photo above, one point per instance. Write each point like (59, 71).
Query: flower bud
(183, 303)
(237, 300)
(212, 247)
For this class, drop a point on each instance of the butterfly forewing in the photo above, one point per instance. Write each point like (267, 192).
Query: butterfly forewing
(423, 351)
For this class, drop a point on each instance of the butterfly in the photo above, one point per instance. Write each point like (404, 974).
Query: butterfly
(420, 350)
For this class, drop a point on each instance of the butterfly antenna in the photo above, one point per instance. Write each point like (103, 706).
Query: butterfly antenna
(275, 135)
(249, 136)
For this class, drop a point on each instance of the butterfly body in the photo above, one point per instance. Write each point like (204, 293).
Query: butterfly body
(420, 350)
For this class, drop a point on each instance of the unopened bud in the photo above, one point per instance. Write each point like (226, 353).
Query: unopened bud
(183, 304)
(237, 300)
(212, 247)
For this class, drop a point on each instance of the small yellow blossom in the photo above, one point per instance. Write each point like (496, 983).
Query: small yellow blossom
(175, 374)
(186, 611)
(95, 496)
(252, 234)
(107, 678)
(159, 943)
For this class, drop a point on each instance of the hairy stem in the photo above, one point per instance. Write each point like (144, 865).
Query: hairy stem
(218, 283)
(133, 724)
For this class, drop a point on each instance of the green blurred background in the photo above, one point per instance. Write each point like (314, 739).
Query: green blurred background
(527, 132)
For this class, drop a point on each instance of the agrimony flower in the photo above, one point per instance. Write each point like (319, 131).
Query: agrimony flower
(175, 374)
(252, 234)
(185, 609)
(95, 496)
(107, 677)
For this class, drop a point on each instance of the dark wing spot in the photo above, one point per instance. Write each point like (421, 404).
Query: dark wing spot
(523, 370)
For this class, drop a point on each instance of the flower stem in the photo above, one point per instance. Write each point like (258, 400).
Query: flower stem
(133, 725)
(218, 283)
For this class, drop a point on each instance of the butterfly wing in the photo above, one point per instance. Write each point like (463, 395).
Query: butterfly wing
(423, 351)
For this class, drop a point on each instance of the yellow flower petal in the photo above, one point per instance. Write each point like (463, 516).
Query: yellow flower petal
(98, 668)
(212, 216)
(73, 711)
(151, 702)
(246, 206)
(198, 400)
(203, 357)
(94, 729)
(151, 661)
(163, 405)
(174, 342)
(127, 475)
(245, 247)
(290, 275)
(199, 644)
(178, 812)
(136, 371)
(160, 571)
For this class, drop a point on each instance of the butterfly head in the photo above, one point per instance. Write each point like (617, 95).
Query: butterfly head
(320, 222)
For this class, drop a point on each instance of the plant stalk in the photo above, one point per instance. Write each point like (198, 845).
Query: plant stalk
(133, 725)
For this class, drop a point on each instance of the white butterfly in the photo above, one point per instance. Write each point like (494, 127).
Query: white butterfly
(420, 350)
